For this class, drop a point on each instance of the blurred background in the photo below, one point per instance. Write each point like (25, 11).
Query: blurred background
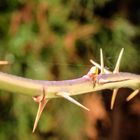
(54, 40)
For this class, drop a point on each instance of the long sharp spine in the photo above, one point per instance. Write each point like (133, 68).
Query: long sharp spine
(66, 96)
(117, 66)
(42, 103)
(114, 94)
(41, 107)
(102, 61)
(116, 70)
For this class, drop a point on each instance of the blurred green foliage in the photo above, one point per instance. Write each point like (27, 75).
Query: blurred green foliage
(54, 40)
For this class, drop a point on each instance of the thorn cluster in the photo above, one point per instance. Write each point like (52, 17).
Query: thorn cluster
(42, 100)
(116, 70)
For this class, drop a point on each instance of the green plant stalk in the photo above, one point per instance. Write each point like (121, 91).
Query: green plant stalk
(77, 86)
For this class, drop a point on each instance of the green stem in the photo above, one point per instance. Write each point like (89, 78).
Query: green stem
(30, 87)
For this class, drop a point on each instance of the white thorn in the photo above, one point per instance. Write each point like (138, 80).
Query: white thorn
(66, 96)
(114, 94)
(39, 112)
(132, 95)
(99, 66)
(116, 70)
(42, 102)
(117, 66)
(102, 61)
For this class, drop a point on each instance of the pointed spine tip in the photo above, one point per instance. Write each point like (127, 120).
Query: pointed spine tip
(113, 98)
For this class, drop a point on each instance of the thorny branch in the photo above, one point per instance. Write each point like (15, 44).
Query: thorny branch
(42, 91)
